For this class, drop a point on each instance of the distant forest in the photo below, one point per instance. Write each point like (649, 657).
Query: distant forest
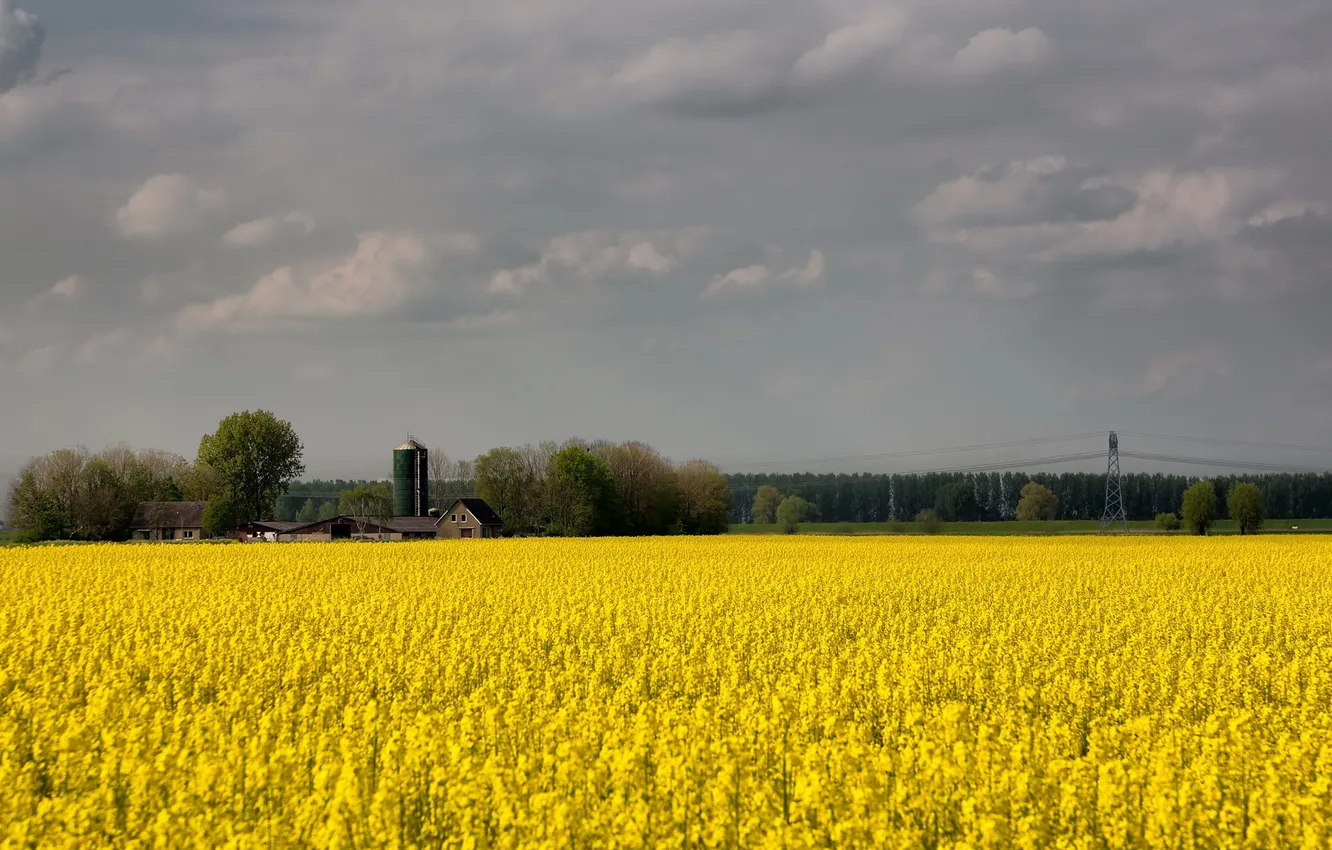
(898, 498)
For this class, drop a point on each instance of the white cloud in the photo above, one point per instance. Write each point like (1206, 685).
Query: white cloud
(253, 234)
(70, 288)
(760, 278)
(1287, 210)
(595, 254)
(379, 277)
(21, 39)
(718, 70)
(997, 50)
(973, 196)
(165, 205)
(849, 49)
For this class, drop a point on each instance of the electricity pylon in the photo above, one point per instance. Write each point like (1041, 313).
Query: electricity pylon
(1114, 490)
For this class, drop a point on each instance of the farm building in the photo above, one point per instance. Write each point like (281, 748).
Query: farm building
(470, 518)
(260, 532)
(347, 527)
(168, 521)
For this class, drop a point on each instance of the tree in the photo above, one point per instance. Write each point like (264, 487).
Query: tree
(644, 488)
(1199, 507)
(33, 510)
(581, 494)
(1037, 503)
(366, 504)
(766, 501)
(500, 480)
(956, 502)
(327, 510)
(258, 456)
(202, 482)
(308, 512)
(704, 499)
(219, 518)
(792, 511)
(1246, 507)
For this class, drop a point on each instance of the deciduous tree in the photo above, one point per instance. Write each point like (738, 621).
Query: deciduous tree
(258, 456)
(792, 511)
(766, 502)
(704, 498)
(1037, 503)
(1199, 507)
(1246, 508)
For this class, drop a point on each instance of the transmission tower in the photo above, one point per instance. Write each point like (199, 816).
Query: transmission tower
(1114, 490)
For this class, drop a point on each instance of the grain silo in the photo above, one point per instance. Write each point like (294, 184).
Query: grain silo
(411, 479)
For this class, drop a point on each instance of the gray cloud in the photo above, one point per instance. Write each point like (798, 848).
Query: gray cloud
(981, 203)
(21, 39)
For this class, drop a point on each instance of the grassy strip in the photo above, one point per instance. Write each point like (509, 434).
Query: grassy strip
(1018, 528)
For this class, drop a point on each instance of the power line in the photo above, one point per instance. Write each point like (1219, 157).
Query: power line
(919, 452)
(1219, 442)
(1231, 464)
(982, 467)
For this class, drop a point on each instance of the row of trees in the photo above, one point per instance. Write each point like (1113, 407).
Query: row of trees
(1201, 506)
(996, 496)
(583, 488)
(240, 471)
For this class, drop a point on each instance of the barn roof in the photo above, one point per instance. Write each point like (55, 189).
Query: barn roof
(169, 515)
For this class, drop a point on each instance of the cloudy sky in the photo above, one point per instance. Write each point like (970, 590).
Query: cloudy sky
(748, 230)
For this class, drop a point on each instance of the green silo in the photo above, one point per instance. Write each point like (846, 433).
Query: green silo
(411, 479)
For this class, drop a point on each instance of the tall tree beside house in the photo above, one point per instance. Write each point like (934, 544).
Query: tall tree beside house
(704, 498)
(34, 510)
(766, 501)
(1199, 507)
(501, 479)
(327, 510)
(219, 516)
(1037, 503)
(258, 456)
(580, 494)
(1245, 504)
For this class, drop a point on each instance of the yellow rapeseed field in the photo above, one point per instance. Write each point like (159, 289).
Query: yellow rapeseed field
(670, 693)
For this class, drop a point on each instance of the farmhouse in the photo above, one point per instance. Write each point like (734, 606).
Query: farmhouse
(168, 521)
(470, 518)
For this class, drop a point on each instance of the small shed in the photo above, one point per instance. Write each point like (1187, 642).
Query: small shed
(468, 519)
(164, 521)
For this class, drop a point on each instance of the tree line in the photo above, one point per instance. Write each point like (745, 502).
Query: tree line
(240, 471)
(995, 496)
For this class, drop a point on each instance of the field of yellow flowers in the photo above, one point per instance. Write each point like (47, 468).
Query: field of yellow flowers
(775, 692)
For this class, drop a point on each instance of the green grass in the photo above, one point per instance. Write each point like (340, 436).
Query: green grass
(1011, 528)
(7, 537)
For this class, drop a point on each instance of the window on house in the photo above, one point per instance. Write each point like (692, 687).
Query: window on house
(453, 518)
(189, 535)
(464, 517)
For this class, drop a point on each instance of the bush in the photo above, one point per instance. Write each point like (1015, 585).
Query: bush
(928, 522)
(791, 512)
(1168, 522)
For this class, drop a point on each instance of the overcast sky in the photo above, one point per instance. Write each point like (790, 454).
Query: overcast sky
(745, 230)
